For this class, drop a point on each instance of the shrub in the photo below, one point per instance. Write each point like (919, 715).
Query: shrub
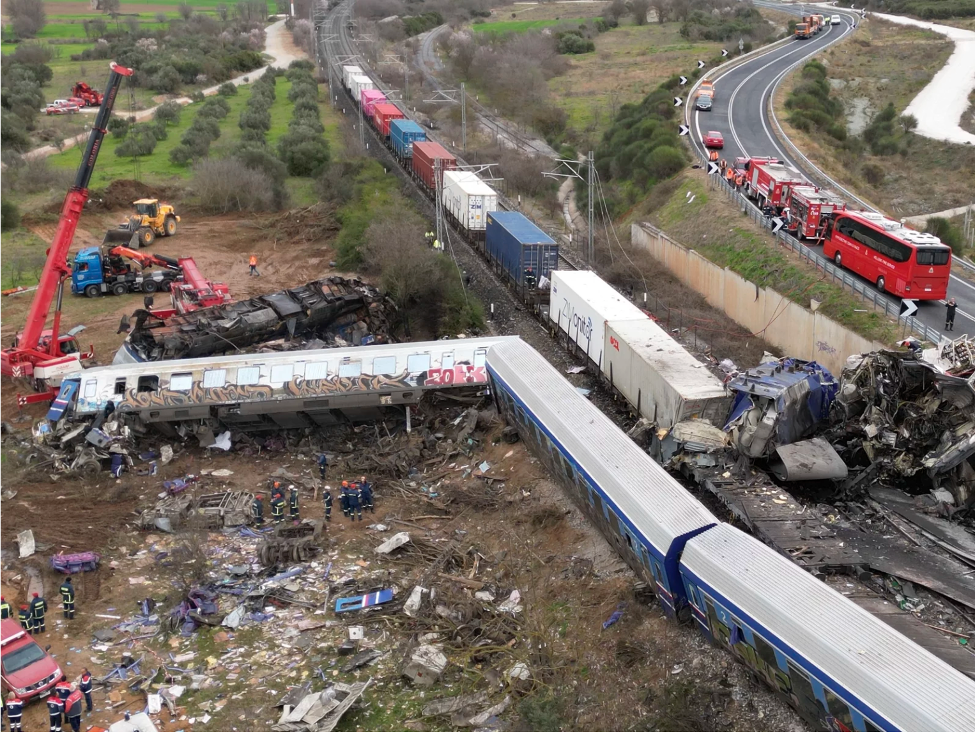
(255, 119)
(197, 96)
(168, 113)
(13, 131)
(9, 215)
(949, 234)
(299, 65)
(873, 173)
(571, 43)
(166, 80)
(228, 185)
(158, 128)
(227, 89)
(181, 155)
(303, 89)
(304, 151)
(665, 161)
(253, 135)
(141, 141)
(215, 107)
(118, 126)
(305, 104)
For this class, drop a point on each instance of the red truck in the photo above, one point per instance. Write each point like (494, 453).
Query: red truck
(383, 113)
(90, 97)
(808, 209)
(769, 183)
(27, 669)
(424, 161)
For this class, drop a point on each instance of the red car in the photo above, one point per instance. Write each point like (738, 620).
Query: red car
(26, 668)
(61, 107)
(713, 139)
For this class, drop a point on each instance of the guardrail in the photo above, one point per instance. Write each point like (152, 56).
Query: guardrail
(839, 276)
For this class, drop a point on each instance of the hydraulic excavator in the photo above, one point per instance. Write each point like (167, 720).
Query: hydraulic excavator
(45, 355)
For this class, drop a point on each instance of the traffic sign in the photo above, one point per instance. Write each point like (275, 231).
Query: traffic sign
(678, 101)
(908, 308)
(713, 168)
(682, 80)
(701, 63)
(725, 53)
(683, 129)
(778, 224)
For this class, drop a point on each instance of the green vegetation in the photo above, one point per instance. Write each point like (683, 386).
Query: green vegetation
(728, 24)
(521, 26)
(925, 9)
(889, 133)
(573, 42)
(951, 233)
(414, 25)
(811, 103)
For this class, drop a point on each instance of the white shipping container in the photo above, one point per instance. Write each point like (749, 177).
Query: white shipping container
(349, 72)
(359, 82)
(580, 303)
(468, 199)
(659, 377)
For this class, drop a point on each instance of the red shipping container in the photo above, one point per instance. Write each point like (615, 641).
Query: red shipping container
(423, 160)
(383, 113)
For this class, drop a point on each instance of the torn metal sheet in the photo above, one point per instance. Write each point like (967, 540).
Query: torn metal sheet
(812, 459)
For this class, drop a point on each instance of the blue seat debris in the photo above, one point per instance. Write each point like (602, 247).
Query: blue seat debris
(349, 604)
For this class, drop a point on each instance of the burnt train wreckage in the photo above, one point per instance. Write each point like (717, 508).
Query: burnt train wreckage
(348, 309)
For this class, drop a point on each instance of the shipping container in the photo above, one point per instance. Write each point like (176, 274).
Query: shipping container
(358, 83)
(369, 98)
(659, 378)
(581, 302)
(424, 161)
(468, 200)
(520, 248)
(383, 113)
(403, 134)
(348, 72)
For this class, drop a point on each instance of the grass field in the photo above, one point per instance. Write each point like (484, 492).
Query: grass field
(881, 63)
(521, 26)
(629, 62)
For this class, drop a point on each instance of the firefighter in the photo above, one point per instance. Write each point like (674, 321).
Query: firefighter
(277, 508)
(85, 686)
(62, 688)
(366, 491)
(55, 709)
(276, 487)
(530, 277)
(38, 608)
(68, 599)
(253, 265)
(24, 618)
(740, 178)
(323, 462)
(355, 503)
(293, 503)
(344, 498)
(730, 174)
(713, 156)
(14, 707)
(72, 708)
(258, 510)
(6, 611)
(327, 502)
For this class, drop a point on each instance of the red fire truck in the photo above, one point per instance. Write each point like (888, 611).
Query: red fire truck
(808, 208)
(769, 183)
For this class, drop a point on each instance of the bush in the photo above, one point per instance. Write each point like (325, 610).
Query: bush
(215, 107)
(571, 43)
(9, 215)
(306, 105)
(13, 131)
(141, 141)
(228, 185)
(227, 89)
(168, 113)
(197, 96)
(166, 80)
(258, 157)
(666, 161)
(304, 151)
(255, 119)
(253, 135)
(299, 65)
(158, 128)
(811, 103)
(303, 89)
(873, 173)
(181, 155)
(118, 126)
(950, 235)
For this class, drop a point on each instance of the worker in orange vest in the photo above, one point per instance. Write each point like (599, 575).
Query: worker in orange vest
(253, 265)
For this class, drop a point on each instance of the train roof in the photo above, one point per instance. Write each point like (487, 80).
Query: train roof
(651, 500)
(332, 355)
(468, 182)
(606, 302)
(845, 644)
(899, 230)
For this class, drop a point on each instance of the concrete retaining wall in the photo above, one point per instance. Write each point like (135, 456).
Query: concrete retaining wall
(795, 330)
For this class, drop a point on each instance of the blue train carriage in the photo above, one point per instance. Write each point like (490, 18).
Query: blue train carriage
(840, 666)
(526, 254)
(403, 134)
(639, 508)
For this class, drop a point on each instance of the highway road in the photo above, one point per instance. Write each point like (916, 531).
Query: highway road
(740, 112)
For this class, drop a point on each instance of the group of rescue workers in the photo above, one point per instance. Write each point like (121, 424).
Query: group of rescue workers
(354, 498)
(734, 176)
(32, 615)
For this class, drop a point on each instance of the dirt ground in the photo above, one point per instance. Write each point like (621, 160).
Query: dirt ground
(515, 531)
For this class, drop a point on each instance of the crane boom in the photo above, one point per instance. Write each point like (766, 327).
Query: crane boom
(28, 353)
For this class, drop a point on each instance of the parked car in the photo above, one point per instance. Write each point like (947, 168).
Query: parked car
(26, 668)
(835, 20)
(61, 107)
(713, 139)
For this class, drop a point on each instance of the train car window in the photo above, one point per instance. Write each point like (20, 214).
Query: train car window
(447, 360)
(567, 467)
(385, 365)
(215, 378)
(317, 371)
(91, 387)
(871, 727)
(765, 651)
(627, 537)
(418, 363)
(800, 685)
(181, 381)
(147, 384)
(284, 373)
(120, 386)
(838, 708)
(249, 375)
(350, 369)
(479, 359)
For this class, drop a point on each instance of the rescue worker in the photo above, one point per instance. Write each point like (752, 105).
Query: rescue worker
(355, 504)
(366, 492)
(740, 178)
(323, 465)
(63, 688)
(118, 464)
(293, 503)
(344, 498)
(38, 608)
(277, 508)
(6, 611)
(951, 313)
(253, 265)
(713, 156)
(730, 174)
(72, 708)
(530, 277)
(258, 510)
(24, 617)
(327, 502)
(14, 707)
(55, 709)
(276, 487)
(68, 599)
(85, 686)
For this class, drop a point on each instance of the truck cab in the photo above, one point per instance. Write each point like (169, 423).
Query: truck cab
(27, 669)
(802, 30)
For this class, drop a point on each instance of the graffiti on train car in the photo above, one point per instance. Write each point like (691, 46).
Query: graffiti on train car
(457, 375)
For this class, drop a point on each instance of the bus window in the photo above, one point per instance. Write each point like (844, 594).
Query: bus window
(932, 257)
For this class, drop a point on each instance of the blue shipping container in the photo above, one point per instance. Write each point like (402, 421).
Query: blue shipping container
(516, 244)
(403, 135)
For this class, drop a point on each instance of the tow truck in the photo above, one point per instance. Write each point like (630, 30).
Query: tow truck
(45, 355)
(104, 270)
(89, 97)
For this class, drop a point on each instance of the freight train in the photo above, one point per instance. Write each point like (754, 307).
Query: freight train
(513, 245)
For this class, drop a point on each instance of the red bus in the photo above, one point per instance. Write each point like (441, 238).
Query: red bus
(900, 261)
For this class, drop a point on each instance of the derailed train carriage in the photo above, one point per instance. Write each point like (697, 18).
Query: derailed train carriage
(838, 665)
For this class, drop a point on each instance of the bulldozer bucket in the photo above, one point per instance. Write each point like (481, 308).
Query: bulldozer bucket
(120, 236)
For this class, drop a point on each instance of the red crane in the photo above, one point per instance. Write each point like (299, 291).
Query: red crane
(46, 355)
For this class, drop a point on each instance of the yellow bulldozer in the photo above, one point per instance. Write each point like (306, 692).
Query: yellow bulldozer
(150, 221)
